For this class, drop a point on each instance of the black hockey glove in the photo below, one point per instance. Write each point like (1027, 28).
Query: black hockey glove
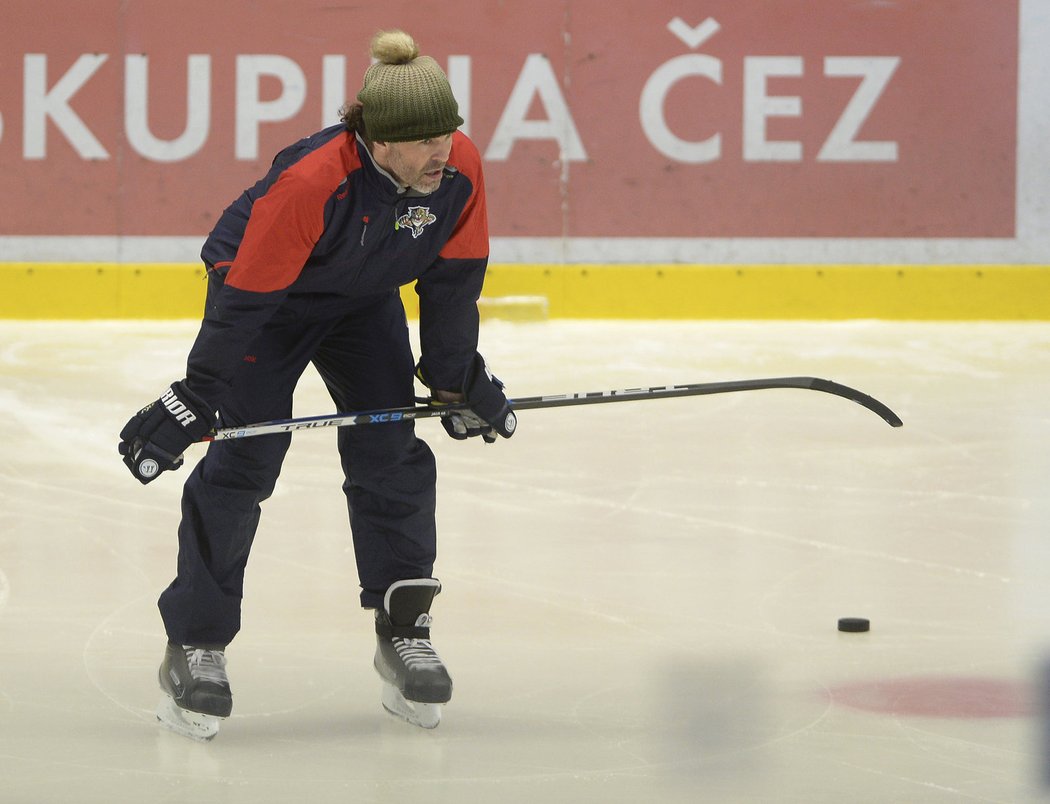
(489, 414)
(154, 439)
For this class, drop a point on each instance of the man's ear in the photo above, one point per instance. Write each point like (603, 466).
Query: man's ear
(380, 151)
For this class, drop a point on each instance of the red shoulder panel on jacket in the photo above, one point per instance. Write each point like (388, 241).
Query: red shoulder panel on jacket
(470, 239)
(286, 223)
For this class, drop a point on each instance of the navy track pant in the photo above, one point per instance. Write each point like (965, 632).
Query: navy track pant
(365, 359)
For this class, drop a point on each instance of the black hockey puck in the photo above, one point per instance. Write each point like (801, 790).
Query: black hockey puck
(854, 625)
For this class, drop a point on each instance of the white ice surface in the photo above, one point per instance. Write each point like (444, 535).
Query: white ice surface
(639, 598)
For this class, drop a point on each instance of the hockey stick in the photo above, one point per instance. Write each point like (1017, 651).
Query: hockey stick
(557, 401)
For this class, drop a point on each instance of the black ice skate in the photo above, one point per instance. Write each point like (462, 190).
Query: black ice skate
(416, 681)
(196, 691)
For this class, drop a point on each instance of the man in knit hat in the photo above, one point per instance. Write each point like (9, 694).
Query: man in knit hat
(305, 268)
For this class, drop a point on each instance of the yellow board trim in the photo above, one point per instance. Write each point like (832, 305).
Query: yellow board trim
(101, 290)
(665, 291)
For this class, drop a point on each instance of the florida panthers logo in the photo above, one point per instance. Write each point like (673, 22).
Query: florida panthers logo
(415, 219)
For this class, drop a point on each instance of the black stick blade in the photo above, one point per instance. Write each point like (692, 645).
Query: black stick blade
(870, 402)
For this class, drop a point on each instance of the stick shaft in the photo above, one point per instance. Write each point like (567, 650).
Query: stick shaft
(389, 415)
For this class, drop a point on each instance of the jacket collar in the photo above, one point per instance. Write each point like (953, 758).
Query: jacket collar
(383, 180)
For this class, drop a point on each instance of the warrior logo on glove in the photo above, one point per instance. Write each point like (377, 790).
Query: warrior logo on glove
(177, 408)
(154, 439)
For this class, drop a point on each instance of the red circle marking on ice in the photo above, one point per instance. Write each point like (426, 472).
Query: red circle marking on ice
(937, 696)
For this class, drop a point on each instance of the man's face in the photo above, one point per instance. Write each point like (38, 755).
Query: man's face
(416, 164)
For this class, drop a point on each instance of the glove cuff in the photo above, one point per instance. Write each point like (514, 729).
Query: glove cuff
(484, 395)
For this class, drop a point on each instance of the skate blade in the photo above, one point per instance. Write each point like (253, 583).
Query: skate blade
(424, 715)
(189, 724)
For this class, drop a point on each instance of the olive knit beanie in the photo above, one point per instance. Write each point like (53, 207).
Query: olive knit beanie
(405, 96)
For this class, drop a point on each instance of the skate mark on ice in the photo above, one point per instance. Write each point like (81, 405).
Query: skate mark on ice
(5, 593)
(104, 627)
(5, 590)
(761, 737)
(708, 523)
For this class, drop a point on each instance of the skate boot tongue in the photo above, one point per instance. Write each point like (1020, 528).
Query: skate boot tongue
(407, 603)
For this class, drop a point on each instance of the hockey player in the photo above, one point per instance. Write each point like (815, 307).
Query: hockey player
(305, 267)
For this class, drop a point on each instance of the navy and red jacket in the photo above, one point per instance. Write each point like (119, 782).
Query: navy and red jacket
(328, 230)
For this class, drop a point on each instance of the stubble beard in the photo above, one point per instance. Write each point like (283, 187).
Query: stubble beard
(419, 182)
(425, 185)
